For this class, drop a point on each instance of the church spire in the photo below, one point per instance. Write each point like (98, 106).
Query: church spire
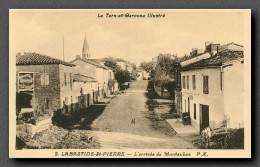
(85, 50)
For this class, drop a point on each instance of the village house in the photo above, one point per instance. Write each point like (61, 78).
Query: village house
(99, 72)
(212, 87)
(102, 74)
(48, 84)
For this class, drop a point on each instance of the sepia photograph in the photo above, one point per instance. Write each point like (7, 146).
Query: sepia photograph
(129, 83)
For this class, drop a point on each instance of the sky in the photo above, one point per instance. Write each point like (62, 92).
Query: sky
(134, 39)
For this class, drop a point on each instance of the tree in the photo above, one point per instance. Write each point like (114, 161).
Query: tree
(147, 66)
(121, 76)
(165, 69)
(111, 63)
(165, 73)
(134, 66)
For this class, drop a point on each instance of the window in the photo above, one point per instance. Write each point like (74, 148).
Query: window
(47, 103)
(42, 79)
(66, 105)
(183, 82)
(71, 81)
(185, 105)
(65, 81)
(189, 105)
(205, 84)
(188, 80)
(45, 79)
(195, 114)
(194, 82)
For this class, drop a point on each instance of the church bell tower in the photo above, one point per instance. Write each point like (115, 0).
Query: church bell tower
(85, 50)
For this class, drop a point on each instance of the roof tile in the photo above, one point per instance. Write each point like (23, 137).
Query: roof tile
(30, 58)
(217, 60)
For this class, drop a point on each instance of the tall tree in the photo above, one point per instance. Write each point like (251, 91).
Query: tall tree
(121, 76)
(147, 66)
(111, 63)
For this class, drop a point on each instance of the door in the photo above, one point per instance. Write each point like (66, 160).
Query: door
(71, 104)
(89, 100)
(66, 105)
(204, 116)
(189, 106)
(93, 96)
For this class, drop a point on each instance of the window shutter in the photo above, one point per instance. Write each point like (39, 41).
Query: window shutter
(188, 82)
(47, 79)
(65, 80)
(194, 81)
(71, 81)
(205, 85)
(183, 84)
(195, 114)
(42, 78)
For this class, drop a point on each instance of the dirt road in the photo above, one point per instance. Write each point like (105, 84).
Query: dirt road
(127, 123)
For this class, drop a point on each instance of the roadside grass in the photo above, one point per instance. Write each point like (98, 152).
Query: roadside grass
(59, 138)
(157, 119)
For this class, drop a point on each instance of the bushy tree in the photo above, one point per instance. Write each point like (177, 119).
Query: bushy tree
(147, 66)
(111, 63)
(134, 66)
(165, 70)
(121, 76)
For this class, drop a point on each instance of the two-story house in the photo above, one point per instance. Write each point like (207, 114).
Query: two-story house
(207, 92)
(49, 84)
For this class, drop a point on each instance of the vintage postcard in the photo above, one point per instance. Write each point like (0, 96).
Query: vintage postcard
(130, 83)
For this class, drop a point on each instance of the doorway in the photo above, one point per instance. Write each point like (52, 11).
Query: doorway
(93, 96)
(204, 117)
(189, 106)
(89, 100)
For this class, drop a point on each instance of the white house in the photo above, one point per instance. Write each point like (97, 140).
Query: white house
(208, 91)
(90, 67)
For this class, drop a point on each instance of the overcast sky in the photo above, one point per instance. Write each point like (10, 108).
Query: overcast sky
(140, 38)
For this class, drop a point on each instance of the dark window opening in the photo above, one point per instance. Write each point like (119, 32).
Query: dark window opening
(194, 82)
(188, 80)
(183, 82)
(71, 81)
(195, 114)
(47, 103)
(205, 84)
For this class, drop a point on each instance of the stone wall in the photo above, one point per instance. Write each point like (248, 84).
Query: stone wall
(43, 94)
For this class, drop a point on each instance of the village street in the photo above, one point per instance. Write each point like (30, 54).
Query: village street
(115, 127)
(121, 121)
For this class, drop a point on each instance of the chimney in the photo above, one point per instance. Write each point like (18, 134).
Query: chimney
(214, 48)
(77, 56)
(207, 46)
(194, 52)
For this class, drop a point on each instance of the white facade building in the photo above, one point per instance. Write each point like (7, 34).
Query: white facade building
(212, 90)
